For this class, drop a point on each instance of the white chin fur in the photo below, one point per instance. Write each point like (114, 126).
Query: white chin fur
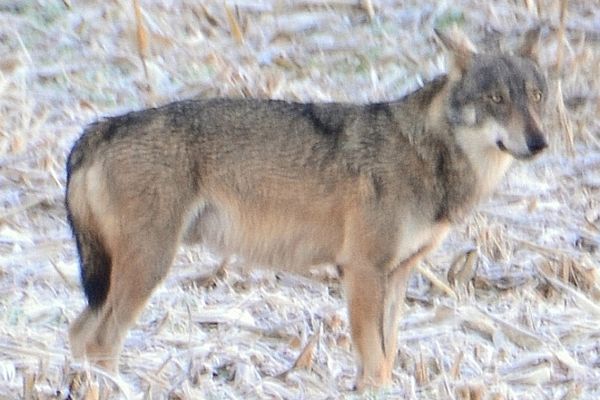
(519, 155)
(480, 144)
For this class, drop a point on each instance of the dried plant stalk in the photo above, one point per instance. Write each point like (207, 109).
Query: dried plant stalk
(561, 34)
(305, 359)
(455, 371)
(565, 121)
(142, 36)
(435, 281)
(234, 26)
(367, 5)
(462, 269)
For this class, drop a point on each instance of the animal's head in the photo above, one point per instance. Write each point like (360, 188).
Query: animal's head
(499, 99)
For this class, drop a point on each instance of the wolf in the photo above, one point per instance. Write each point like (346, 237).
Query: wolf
(369, 188)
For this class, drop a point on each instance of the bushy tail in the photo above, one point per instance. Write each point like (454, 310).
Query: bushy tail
(95, 266)
(95, 261)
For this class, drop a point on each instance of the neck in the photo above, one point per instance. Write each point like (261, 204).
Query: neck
(412, 120)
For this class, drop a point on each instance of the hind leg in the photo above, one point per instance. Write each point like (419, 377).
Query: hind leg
(80, 330)
(139, 262)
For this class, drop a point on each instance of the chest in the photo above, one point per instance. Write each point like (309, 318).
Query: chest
(420, 239)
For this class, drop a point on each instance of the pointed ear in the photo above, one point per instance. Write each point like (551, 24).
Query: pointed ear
(462, 50)
(530, 47)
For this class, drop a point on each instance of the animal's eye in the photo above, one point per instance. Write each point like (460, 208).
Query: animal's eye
(536, 96)
(496, 98)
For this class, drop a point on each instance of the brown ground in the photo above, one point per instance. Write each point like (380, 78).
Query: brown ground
(525, 326)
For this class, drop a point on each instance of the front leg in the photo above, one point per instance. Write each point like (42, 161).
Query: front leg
(394, 295)
(365, 296)
(374, 307)
(375, 297)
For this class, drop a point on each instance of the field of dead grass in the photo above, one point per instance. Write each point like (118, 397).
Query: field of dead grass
(519, 317)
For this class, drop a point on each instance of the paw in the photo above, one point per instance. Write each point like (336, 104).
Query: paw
(373, 383)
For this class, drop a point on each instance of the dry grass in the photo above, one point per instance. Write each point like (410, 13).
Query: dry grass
(524, 321)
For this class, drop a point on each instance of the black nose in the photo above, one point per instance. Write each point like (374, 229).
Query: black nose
(536, 143)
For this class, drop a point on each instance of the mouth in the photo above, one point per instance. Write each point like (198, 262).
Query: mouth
(501, 146)
(518, 156)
